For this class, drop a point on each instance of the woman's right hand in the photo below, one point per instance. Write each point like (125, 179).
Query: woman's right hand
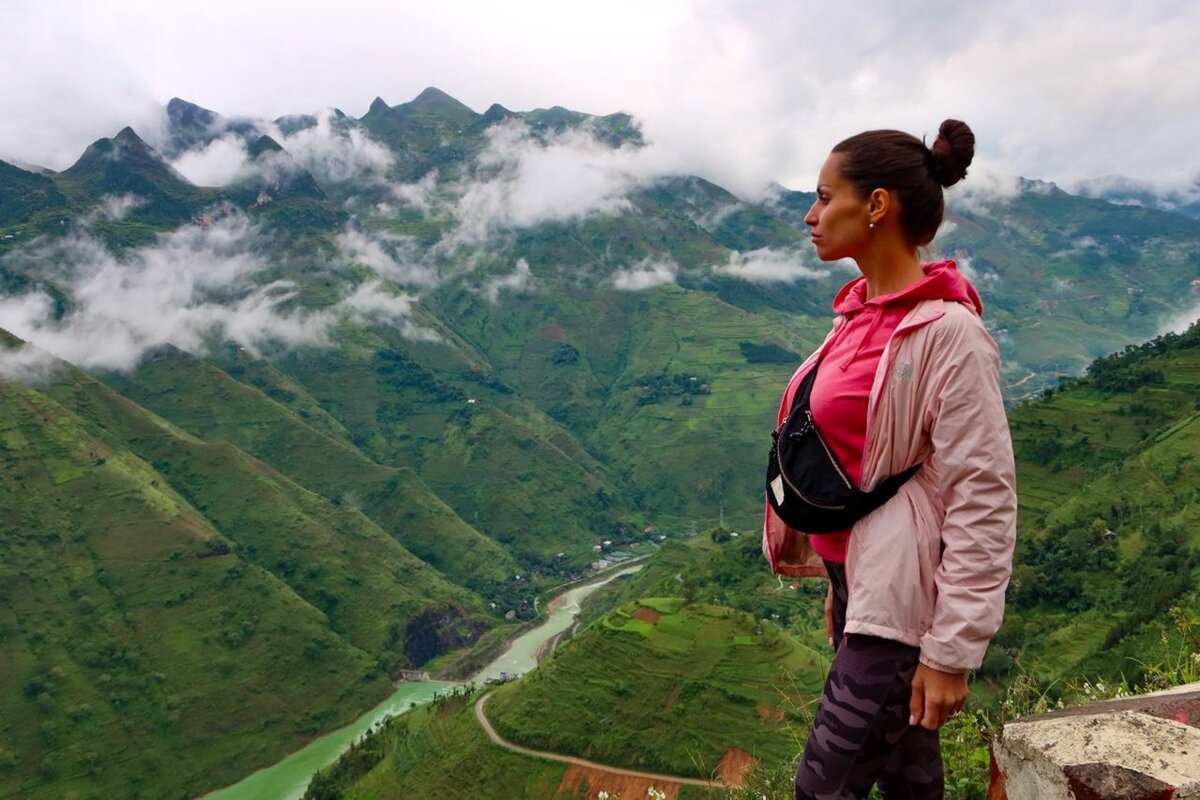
(829, 613)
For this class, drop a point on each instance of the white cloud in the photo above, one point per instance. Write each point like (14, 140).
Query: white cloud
(967, 268)
(1166, 195)
(335, 154)
(742, 93)
(116, 206)
(369, 302)
(1178, 323)
(191, 288)
(217, 163)
(421, 194)
(519, 280)
(768, 265)
(983, 191)
(522, 181)
(27, 364)
(396, 258)
(646, 274)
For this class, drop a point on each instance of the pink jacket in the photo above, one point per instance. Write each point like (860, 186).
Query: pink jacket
(929, 568)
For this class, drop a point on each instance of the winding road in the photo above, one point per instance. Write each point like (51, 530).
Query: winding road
(525, 751)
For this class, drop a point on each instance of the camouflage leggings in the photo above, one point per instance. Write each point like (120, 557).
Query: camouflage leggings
(861, 735)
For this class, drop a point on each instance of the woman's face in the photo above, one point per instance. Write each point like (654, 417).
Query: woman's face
(839, 217)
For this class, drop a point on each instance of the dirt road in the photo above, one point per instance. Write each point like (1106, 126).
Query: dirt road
(516, 748)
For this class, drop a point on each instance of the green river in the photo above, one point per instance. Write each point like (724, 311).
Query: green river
(287, 779)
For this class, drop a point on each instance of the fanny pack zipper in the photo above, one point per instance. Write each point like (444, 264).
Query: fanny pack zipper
(807, 426)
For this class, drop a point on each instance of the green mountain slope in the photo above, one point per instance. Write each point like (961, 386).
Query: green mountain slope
(502, 464)
(125, 164)
(210, 404)
(667, 687)
(658, 685)
(24, 195)
(437, 750)
(333, 556)
(143, 654)
(1110, 531)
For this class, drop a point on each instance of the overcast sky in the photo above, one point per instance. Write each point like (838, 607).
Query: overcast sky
(742, 92)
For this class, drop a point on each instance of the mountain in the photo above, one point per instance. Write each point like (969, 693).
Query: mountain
(190, 126)
(1125, 191)
(137, 635)
(1109, 528)
(125, 164)
(24, 195)
(431, 131)
(277, 190)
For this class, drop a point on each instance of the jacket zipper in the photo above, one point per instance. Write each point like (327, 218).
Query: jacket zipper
(886, 359)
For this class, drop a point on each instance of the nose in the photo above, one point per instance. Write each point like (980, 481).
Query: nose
(810, 219)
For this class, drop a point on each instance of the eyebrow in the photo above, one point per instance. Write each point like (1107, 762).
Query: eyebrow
(824, 186)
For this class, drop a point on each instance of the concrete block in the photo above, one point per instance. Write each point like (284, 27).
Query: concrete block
(1137, 748)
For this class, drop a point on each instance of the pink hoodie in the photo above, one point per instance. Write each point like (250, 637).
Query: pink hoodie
(929, 567)
(839, 395)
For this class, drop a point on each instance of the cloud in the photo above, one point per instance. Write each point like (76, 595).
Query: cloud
(967, 268)
(522, 181)
(519, 280)
(115, 207)
(985, 190)
(395, 258)
(27, 364)
(421, 194)
(192, 288)
(768, 265)
(742, 93)
(1178, 323)
(371, 303)
(646, 274)
(1166, 195)
(217, 163)
(335, 153)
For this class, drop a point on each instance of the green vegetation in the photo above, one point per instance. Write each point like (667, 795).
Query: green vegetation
(136, 639)
(437, 750)
(667, 691)
(1109, 537)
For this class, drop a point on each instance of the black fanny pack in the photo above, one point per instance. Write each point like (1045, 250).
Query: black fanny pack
(806, 485)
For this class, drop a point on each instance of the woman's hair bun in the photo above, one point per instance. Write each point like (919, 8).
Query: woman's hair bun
(952, 152)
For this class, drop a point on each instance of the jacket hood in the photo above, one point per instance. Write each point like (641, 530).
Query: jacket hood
(942, 281)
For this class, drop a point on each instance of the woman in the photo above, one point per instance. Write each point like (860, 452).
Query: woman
(908, 376)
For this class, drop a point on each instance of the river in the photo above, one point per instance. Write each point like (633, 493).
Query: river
(287, 779)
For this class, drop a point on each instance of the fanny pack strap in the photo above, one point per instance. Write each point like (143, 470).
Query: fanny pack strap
(887, 488)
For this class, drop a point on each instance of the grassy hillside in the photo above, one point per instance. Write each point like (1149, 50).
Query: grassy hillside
(209, 403)
(143, 653)
(667, 687)
(1110, 527)
(437, 750)
(659, 684)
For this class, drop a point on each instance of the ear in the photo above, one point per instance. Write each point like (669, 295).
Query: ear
(879, 203)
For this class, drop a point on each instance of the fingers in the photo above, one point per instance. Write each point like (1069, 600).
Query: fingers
(916, 702)
(829, 614)
(936, 696)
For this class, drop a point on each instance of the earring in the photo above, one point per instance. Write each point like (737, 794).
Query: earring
(871, 225)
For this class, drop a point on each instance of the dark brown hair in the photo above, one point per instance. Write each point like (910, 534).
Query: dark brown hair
(914, 173)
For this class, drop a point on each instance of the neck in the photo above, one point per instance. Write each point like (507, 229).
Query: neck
(889, 269)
